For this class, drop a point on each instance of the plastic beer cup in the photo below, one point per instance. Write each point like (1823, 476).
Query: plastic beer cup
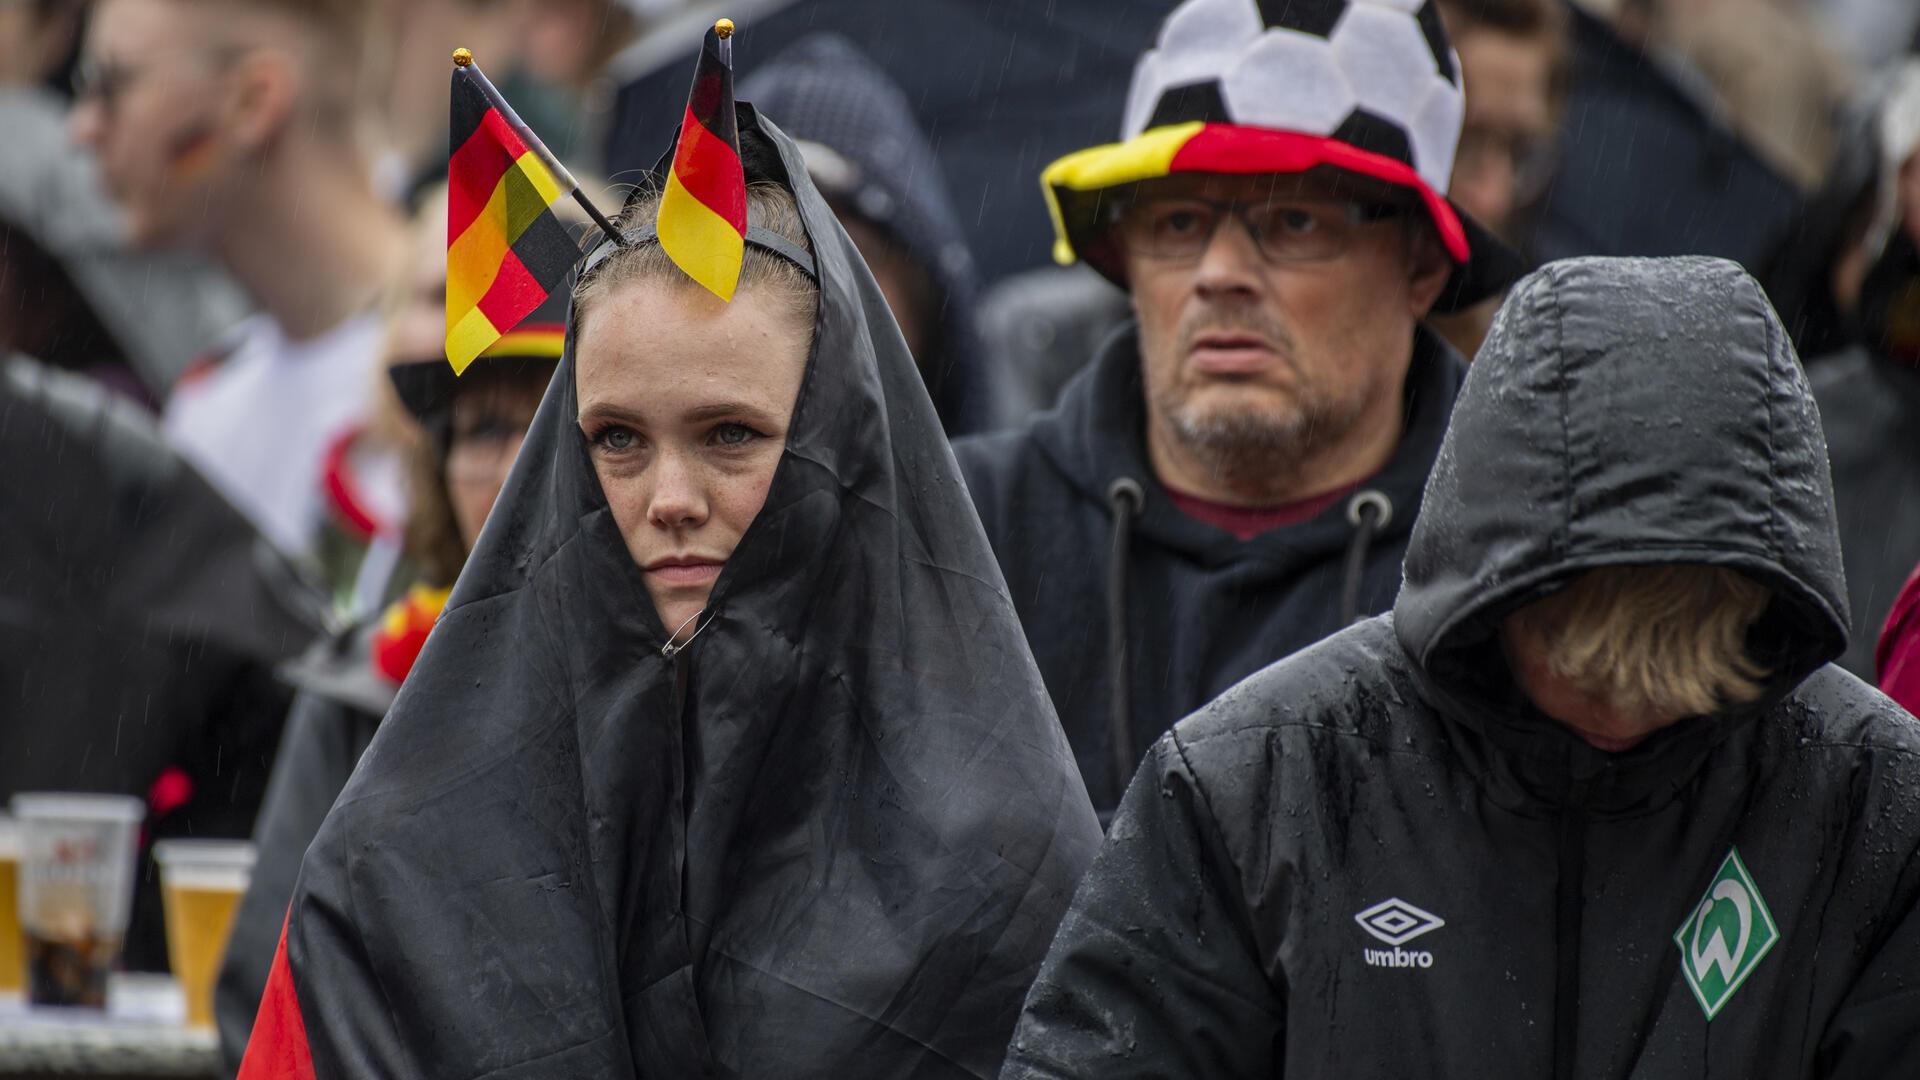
(76, 890)
(13, 958)
(201, 883)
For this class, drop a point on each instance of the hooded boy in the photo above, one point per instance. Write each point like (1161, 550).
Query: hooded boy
(1683, 846)
(825, 827)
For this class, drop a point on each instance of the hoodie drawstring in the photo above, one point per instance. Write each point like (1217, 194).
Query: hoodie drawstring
(1125, 497)
(1368, 511)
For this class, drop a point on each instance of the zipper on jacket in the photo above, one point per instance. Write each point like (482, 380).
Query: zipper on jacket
(682, 676)
(1566, 919)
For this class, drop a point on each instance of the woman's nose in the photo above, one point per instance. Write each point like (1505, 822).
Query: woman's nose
(679, 499)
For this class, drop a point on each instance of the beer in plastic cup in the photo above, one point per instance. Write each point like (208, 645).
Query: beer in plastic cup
(13, 959)
(201, 883)
(76, 889)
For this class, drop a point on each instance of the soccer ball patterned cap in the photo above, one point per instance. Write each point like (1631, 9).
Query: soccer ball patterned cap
(1284, 86)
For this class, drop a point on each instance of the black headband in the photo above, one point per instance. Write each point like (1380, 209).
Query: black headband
(764, 239)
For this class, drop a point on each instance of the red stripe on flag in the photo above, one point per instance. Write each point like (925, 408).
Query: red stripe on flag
(475, 170)
(278, 1047)
(514, 293)
(710, 171)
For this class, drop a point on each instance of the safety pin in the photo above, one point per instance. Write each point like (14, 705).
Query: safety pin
(670, 650)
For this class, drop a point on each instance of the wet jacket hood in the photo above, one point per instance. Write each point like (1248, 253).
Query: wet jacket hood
(838, 827)
(1625, 411)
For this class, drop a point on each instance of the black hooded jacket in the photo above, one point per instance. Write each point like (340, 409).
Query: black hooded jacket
(1375, 859)
(830, 837)
(1202, 609)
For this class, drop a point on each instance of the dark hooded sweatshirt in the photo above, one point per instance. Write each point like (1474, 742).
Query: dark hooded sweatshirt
(1202, 609)
(831, 837)
(1373, 859)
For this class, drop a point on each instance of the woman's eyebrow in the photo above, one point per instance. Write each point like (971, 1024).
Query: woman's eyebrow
(718, 409)
(606, 410)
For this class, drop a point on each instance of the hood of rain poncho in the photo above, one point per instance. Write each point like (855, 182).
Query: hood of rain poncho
(1623, 412)
(832, 837)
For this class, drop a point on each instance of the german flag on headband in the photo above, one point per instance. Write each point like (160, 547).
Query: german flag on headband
(506, 250)
(703, 214)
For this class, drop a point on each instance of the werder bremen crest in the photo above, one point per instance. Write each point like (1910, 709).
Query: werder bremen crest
(1725, 936)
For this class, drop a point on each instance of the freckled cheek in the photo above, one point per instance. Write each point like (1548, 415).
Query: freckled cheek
(627, 493)
(740, 497)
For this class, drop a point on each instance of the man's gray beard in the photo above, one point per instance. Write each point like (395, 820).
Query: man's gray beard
(1256, 445)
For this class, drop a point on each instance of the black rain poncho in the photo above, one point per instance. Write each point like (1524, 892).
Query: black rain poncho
(830, 838)
(1376, 859)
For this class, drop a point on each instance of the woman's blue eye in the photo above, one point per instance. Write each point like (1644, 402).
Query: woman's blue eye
(617, 438)
(733, 434)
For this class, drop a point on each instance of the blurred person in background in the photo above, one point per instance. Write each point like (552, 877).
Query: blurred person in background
(871, 161)
(1695, 127)
(141, 620)
(1249, 455)
(410, 55)
(37, 40)
(471, 427)
(1514, 67)
(1897, 658)
(231, 128)
(564, 48)
(71, 294)
(1869, 391)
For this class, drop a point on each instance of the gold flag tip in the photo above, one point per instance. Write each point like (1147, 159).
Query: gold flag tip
(463, 58)
(724, 28)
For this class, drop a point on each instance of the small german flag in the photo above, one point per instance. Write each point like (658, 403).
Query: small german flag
(703, 213)
(506, 250)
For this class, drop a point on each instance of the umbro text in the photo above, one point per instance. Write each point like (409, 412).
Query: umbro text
(1398, 958)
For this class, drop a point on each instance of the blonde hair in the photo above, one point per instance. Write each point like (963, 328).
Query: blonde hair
(1669, 640)
(769, 206)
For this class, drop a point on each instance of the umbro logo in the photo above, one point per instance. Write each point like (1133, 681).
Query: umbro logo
(1397, 922)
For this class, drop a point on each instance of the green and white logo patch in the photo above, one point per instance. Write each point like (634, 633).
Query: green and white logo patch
(1725, 936)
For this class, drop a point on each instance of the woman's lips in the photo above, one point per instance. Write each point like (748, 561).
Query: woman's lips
(681, 572)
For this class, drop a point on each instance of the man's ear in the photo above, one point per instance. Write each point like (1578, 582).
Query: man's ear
(265, 91)
(1428, 267)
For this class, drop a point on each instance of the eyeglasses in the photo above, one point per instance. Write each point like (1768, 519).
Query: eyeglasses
(1290, 230)
(105, 82)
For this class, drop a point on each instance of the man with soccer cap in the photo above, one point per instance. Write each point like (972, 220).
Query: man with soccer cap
(1591, 801)
(1234, 477)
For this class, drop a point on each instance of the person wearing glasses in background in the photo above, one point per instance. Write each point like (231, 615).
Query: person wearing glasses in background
(1515, 63)
(228, 127)
(1235, 475)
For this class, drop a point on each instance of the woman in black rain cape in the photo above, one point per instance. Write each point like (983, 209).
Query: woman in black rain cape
(830, 836)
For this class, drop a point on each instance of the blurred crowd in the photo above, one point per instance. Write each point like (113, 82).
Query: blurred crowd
(244, 478)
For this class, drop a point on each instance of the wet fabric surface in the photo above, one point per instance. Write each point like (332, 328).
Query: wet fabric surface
(830, 838)
(1376, 859)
